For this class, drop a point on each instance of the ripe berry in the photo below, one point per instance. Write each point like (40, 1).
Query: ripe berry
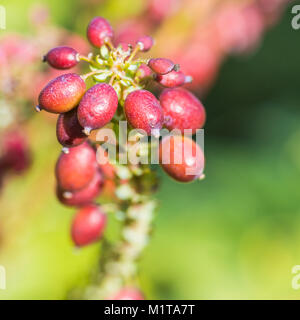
(98, 31)
(88, 225)
(143, 111)
(144, 71)
(128, 294)
(173, 79)
(97, 107)
(62, 93)
(161, 65)
(84, 196)
(145, 43)
(182, 110)
(76, 169)
(62, 57)
(68, 130)
(181, 158)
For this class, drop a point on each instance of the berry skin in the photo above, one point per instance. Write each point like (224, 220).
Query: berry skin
(161, 65)
(69, 132)
(128, 294)
(182, 110)
(62, 93)
(181, 158)
(76, 169)
(172, 79)
(84, 196)
(98, 31)
(143, 71)
(143, 111)
(97, 107)
(145, 43)
(88, 225)
(62, 57)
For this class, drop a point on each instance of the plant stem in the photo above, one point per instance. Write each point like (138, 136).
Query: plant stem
(119, 263)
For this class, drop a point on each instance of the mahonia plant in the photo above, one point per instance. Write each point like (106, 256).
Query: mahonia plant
(114, 90)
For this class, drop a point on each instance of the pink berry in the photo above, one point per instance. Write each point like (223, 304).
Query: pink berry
(97, 107)
(161, 65)
(145, 43)
(98, 31)
(88, 225)
(84, 196)
(182, 110)
(143, 111)
(76, 169)
(68, 130)
(181, 158)
(128, 294)
(173, 79)
(62, 57)
(62, 93)
(144, 71)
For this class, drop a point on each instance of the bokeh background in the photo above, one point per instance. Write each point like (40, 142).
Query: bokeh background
(235, 235)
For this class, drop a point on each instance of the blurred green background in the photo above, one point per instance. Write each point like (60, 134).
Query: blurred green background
(236, 235)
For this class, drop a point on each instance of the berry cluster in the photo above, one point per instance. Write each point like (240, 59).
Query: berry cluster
(114, 90)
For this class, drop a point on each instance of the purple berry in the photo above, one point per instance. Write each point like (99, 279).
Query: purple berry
(69, 132)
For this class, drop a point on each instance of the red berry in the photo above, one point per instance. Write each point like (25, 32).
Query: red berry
(181, 158)
(15, 149)
(128, 294)
(143, 111)
(88, 225)
(76, 169)
(161, 65)
(62, 93)
(182, 110)
(145, 43)
(173, 79)
(84, 196)
(62, 57)
(97, 107)
(68, 130)
(144, 71)
(98, 31)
